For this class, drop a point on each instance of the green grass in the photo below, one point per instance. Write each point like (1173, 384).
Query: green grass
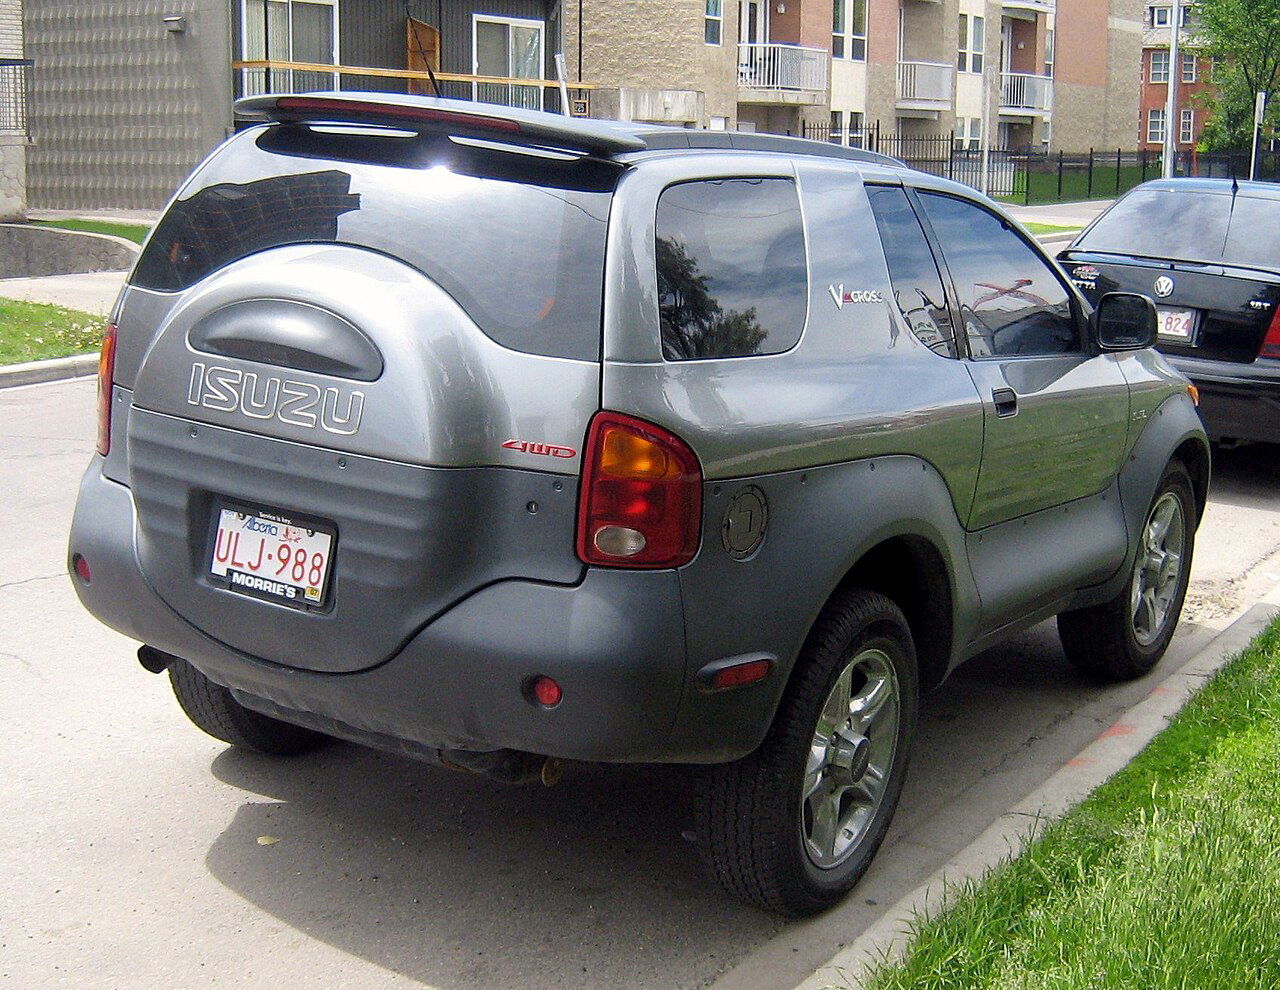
(31, 331)
(130, 231)
(1050, 228)
(1167, 877)
(1042, 186)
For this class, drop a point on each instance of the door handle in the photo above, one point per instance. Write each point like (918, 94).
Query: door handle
(1006, 400)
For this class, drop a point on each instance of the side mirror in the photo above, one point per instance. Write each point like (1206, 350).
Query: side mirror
(1124, 321)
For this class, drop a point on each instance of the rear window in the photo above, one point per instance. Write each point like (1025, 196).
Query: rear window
(517, 240)
(732, 275)
(1191, 226)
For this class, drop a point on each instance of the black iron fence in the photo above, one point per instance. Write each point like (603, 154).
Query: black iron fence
(13, 95)
(1028, 176)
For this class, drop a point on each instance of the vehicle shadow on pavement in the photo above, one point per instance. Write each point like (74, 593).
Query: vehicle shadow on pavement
(459, 882)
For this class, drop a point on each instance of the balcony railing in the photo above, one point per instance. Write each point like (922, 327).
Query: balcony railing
(925, 85)
(785, 68)
(13, 95)
(1023, 93)
(1035, 6)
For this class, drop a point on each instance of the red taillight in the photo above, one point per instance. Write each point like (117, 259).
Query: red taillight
(106, 377)
(1271, 343)
(641, 499)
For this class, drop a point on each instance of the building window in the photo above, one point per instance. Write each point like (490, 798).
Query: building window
(972, 43)
(1159, 67)
(968, 135)
(512, 48)
(713, 22)
(1189, 68)
(847, 128)
(1048, 53)
(1155, 127)
(1163, 16)
(288, 31)
(849, 30)
(1187, 127)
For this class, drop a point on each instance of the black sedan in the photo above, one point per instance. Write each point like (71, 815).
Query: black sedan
(1208, 252)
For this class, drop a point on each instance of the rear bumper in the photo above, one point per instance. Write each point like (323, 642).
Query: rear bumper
(615, 643)
(1240, 401)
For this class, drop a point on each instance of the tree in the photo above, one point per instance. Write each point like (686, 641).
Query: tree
(695, 325)
(1246, 35)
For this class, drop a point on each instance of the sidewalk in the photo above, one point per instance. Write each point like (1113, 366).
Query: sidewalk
(1061, 214)
(94, 292)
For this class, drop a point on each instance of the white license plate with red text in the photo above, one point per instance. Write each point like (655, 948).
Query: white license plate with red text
(1176, 325)
(271, 556)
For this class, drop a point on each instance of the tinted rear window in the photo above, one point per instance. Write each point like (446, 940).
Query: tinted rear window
(1158, 224)
(1253, 237)
(732, 275)
(518, 241)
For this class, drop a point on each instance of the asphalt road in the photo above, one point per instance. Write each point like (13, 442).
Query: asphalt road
(132, 845)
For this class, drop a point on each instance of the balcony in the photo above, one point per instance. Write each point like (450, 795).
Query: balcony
(1030, 6)
(1023, 95)
(778, 73)
(925, 85)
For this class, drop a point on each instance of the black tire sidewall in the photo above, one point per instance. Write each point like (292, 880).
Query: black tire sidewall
(1176, 480)
(814, 888)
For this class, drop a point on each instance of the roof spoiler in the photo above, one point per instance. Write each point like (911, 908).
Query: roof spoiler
(461, 117)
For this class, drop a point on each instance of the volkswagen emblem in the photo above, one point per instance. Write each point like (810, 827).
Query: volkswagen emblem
(1164, 286)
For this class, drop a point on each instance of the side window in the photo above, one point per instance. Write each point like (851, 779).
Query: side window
(732, 276)
(1010, 300)
(917, 286)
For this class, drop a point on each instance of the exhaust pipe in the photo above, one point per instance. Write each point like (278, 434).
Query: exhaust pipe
(153, 661)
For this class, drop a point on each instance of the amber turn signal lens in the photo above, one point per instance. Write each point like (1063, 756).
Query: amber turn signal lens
(1194, 393)
(106, 378)
(628, 455)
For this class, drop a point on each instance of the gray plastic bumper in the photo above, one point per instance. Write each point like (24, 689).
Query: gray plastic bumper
(615, 643)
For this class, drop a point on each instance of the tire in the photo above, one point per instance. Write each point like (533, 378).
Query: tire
(757, 831)
(1123, 639)
(212, 708)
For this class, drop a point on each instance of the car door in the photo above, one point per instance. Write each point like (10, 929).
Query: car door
(1046, 519)
(1055, 411)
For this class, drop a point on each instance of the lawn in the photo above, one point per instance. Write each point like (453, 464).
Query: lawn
(30, 331)
(1168, 876)
(1050, 228)
(135, 232)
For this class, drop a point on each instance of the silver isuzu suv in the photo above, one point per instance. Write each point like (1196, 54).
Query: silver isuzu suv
(503, 439)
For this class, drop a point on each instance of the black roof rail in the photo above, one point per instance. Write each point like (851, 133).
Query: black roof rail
(533, 127)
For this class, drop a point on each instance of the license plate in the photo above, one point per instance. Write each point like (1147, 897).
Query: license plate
(1176, 324)
(271, 556)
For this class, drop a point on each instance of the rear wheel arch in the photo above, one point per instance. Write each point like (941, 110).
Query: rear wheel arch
(911, 571)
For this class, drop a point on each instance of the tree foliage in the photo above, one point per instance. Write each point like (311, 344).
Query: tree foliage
(1246, 34)
(695, 325)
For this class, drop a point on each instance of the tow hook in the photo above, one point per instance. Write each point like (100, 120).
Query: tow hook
(153, 660)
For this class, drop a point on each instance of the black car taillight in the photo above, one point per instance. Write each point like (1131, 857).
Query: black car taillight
(1271, 342)
(641, 499)
(106, 378)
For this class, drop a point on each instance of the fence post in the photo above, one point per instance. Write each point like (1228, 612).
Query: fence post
(1059, 176)
(1119, 163)
(1089, 193)
(951, 157)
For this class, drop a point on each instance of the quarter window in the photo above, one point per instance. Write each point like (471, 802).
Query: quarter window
(1010, 300)
(917, 286)
(732, 275)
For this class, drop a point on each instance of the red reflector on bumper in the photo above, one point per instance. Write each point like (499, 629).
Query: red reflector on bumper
(546, 691)
(81, 568)
(737, 672)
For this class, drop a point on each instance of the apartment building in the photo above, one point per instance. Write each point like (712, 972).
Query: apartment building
(13, 117)
(1193, 77)
(126, 96)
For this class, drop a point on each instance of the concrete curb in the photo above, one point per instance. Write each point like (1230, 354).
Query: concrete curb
(1110, 752)
(52, 370)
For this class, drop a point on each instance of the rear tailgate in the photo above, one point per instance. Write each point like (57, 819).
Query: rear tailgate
(1230, 308)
